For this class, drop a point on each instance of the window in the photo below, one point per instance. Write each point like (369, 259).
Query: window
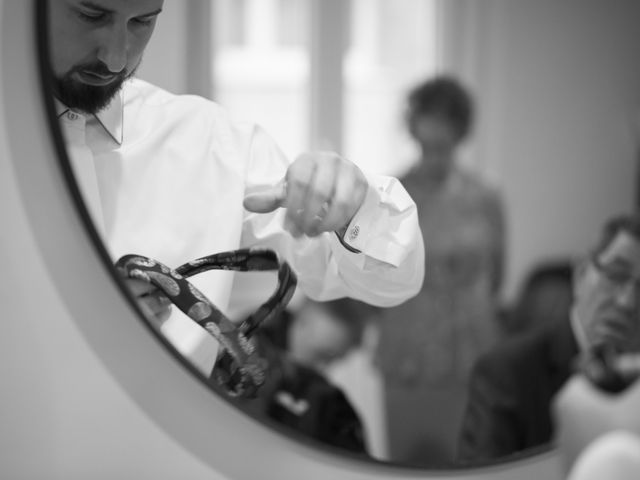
(282, 63)
(261, 66)
(393, 45)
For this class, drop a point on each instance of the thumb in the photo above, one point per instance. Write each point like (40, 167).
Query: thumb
(267, 200)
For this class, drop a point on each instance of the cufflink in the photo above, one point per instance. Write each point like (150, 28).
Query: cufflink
(351, 233)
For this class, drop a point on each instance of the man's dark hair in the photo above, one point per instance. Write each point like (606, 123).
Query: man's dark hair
(560, 270)
(444, 97)
(621, 223)
(528, 312)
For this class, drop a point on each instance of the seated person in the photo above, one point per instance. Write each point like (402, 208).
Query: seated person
(298, 346)
(545, 297)
(512, 386)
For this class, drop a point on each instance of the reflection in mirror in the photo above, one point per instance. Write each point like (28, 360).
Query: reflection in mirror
(176, 187)
(515, 162)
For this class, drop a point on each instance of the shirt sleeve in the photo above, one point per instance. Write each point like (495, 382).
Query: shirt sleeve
(382, 262)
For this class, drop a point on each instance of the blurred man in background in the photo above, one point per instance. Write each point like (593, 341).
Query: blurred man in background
(512, 386)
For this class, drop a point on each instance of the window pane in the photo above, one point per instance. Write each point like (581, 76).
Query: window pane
(232, 30)
(393, 45)
(294, 22)
(261, 71)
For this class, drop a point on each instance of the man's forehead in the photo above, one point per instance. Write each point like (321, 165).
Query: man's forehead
(136, 7)
(623, 248)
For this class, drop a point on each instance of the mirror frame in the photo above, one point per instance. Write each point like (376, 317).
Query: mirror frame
(80, 275)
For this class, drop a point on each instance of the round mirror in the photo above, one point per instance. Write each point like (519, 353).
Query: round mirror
(555, 132)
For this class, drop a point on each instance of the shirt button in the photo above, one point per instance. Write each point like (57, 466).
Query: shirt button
(354, 232)
(72, 116)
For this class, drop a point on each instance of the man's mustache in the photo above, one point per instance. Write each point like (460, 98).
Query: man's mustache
(100, 69)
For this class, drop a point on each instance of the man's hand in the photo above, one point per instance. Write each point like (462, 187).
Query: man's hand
(154, 304)
(321, 192)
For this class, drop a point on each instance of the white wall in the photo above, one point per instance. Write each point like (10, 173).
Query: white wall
(559, 86)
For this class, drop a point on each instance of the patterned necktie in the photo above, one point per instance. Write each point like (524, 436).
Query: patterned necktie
(238, 370)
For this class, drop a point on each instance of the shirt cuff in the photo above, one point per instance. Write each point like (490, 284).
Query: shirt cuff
(353, 238)
(381, 222)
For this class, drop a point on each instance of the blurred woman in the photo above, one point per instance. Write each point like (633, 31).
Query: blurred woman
(428, 345)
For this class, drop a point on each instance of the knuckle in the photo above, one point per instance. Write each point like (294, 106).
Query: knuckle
(303, 161)
(319, 194)
(341, 205)
(337, 160)
(296, 187)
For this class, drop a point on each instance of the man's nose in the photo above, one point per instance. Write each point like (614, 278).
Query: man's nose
(114, 48)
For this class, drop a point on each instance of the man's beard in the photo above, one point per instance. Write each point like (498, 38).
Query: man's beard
(88, 98)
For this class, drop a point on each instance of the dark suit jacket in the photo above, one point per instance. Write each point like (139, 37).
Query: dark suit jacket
(305, 401)
(510, 393)
(302, 399)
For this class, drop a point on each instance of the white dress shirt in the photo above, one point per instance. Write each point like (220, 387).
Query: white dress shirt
(164, 176)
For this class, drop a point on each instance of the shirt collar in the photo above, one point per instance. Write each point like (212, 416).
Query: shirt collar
(61, 108)
(110, 118)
